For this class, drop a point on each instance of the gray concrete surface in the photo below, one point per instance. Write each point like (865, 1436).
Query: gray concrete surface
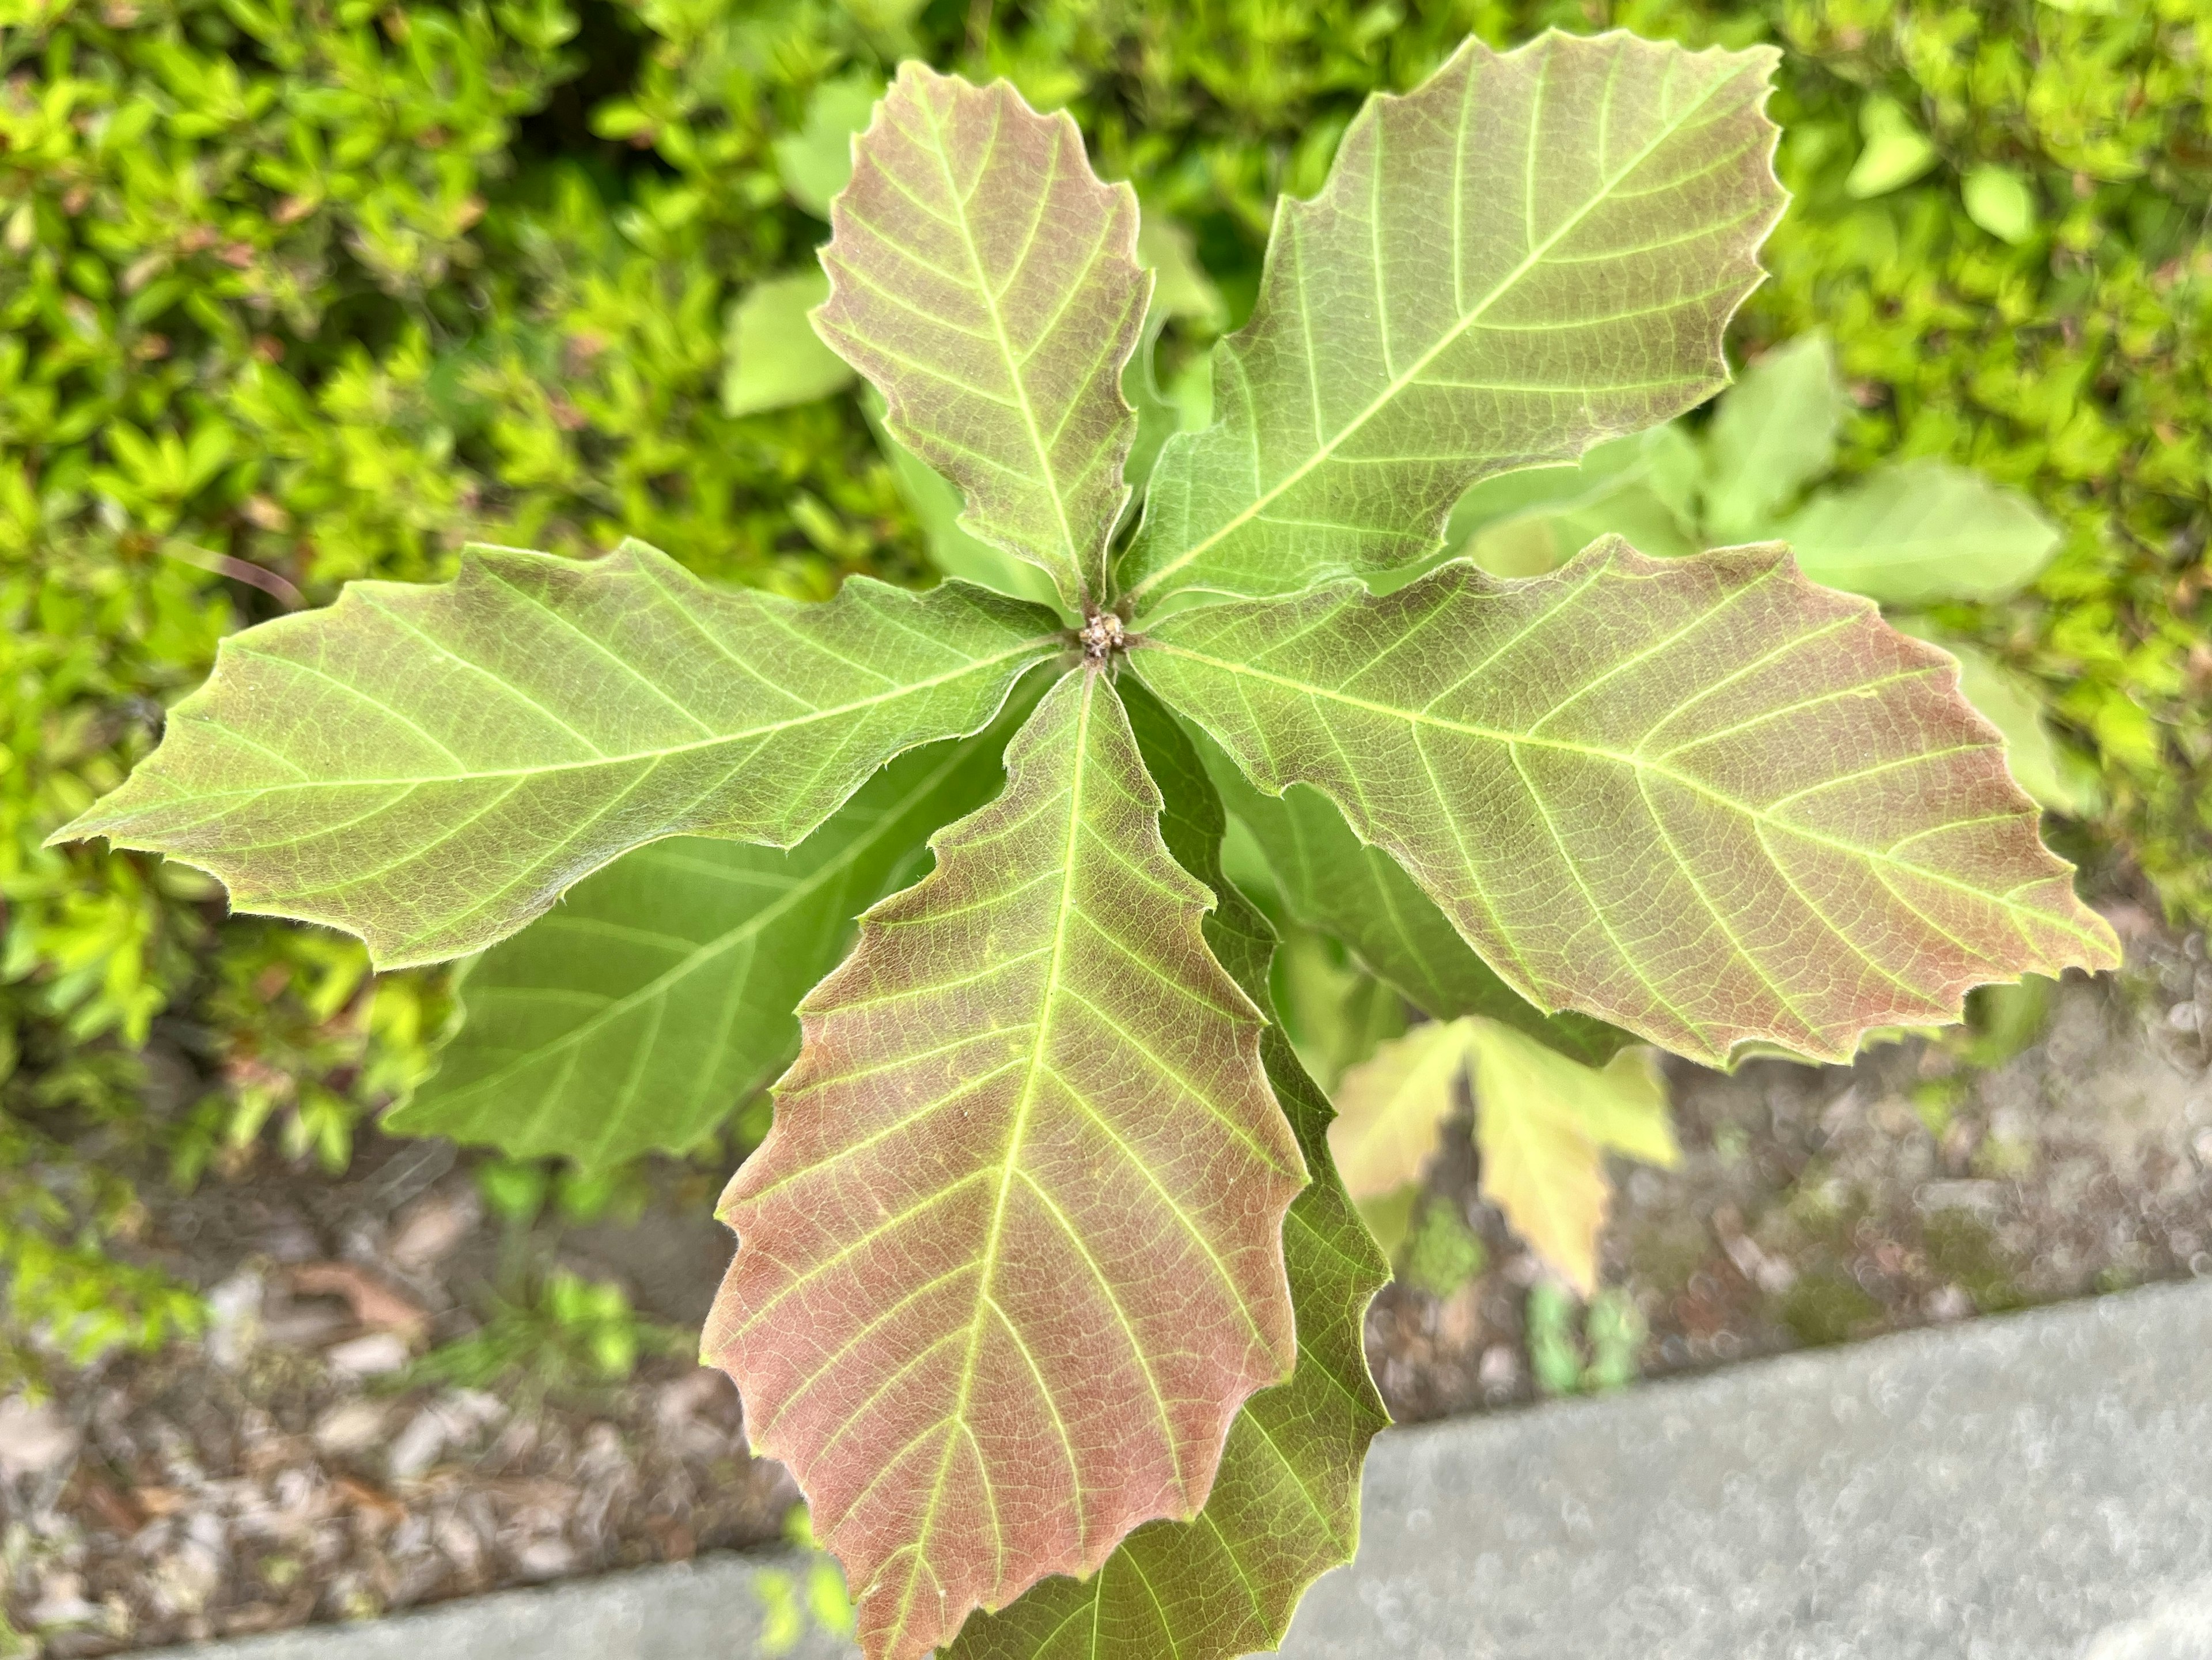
(2036, 1487)
(2013, 1489)
(702, 1610)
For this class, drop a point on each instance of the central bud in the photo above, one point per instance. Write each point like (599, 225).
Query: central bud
(1101, 637)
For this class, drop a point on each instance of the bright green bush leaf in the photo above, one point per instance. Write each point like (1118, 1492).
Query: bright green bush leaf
(1912, 534)
(1773, 434)
(2001, 201)
(1700, 797)
(431, 767)
(1895, 153)
(987, 284)
(1440, 1253)
(1011, 1257)
(1285, 1504)
(1330, 879)
(816, 162)
(1543, 1124)
(646, 1006)
(1526, 254)
(774, 357)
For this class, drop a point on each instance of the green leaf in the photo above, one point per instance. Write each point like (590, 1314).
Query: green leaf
(1181, 287)
(1523, 524)
(1440, 1252)
(1700, 797)
(1011, 1258)
(431, 767)
(1924, 531)
(988, 283)
(1525, 255)
(776, 358)
(1333, 1011)
(2001, 201)
(816, 162)
(1390, 1219)
(1330, 879)
(2011, 704)
(1285, 1507)
(1542, 1124)
(936, 502)
(1773, 434)
(1896, 152)
(639, 1012)
(1392, 1108)
(1159, 417)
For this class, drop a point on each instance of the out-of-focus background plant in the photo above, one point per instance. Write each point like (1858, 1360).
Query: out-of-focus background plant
(292, 292)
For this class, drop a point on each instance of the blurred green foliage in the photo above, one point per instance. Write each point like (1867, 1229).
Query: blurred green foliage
(294, 291)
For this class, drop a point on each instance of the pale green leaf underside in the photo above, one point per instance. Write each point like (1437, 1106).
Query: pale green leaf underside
(1012, 1257)
(1643, 488)
(988, 283)
(1331, 880)
(1528, 253)
(1699, 798)
(1773, 434)
(1922, 532)
(774, 358)
(431, 767)
(658, 994)
(1285, 1506)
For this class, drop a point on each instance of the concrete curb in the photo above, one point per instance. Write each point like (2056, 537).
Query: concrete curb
(2034, 1487)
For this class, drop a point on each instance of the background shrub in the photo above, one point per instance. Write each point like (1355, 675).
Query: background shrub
(296, 291)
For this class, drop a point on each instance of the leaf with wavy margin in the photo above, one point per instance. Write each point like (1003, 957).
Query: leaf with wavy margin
(431, 767)
(1285, 1507)
(653, 999)
(1330, 879)
(1543, 1125)
(1011, 1257)
(1528, 253)
(1701, 797)
(988, 283)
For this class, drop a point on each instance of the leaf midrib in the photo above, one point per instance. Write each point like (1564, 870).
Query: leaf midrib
(1028, 647)
(1013, 364)
(1640, 764)
(1398, 385)
(987, 1266)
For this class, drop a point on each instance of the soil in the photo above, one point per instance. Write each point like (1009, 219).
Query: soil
(300, 1464)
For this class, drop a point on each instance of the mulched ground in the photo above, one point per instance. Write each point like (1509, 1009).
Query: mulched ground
(287, 1471)
(1821, 1204)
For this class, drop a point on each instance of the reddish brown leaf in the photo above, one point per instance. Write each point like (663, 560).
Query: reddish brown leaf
(1011, 1257)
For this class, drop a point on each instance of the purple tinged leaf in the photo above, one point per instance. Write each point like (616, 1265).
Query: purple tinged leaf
(1701, 797)
(1530, 252)
(1011, 1257)
(431, 767)
(988, 283)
